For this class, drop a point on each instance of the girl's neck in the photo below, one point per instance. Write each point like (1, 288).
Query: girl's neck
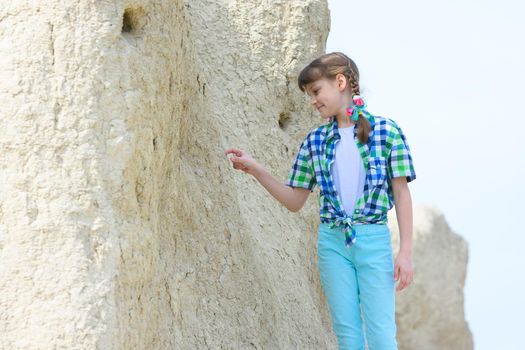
(344, 121)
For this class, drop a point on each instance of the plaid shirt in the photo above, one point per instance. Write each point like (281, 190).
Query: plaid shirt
(386, 155)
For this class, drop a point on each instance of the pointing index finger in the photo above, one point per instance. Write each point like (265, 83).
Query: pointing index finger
(232, 150)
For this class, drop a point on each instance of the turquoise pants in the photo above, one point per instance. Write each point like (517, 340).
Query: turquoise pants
(359, 278)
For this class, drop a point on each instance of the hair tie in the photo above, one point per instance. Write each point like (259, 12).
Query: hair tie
(358, 106)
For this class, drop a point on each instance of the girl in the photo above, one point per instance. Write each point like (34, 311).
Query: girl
(362, 165)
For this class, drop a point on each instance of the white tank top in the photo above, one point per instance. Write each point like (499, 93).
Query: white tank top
(348, 170)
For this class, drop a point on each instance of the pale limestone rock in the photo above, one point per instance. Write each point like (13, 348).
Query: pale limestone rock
(122, 224)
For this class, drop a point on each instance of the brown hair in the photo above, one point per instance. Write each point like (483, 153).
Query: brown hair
(328, 66)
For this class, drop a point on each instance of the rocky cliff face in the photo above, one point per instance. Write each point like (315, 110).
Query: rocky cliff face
(122, 224)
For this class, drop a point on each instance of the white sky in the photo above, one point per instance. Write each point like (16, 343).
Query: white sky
(450, 74)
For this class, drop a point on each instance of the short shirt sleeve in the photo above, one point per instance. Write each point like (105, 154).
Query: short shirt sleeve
(400, 161)
(302, 172)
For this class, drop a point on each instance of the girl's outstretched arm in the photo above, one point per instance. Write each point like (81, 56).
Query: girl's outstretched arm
(292, 198)
(404, 267)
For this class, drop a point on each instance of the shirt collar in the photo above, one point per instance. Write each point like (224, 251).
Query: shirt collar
(333, 130)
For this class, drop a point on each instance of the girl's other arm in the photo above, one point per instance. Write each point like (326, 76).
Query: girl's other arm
(403, 204)
(404, 268)
(292, 198)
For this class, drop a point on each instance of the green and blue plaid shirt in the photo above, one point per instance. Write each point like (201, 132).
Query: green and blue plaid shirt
(386, 155)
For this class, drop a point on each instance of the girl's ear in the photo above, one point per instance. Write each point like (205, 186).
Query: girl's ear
(341, 81)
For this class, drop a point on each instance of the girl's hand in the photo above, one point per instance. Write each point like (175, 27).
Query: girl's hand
(403, 270)
(242, 160)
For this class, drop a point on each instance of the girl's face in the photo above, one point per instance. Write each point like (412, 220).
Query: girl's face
(328, 96)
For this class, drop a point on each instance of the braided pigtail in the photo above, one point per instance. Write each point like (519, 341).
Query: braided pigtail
(363, 125)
